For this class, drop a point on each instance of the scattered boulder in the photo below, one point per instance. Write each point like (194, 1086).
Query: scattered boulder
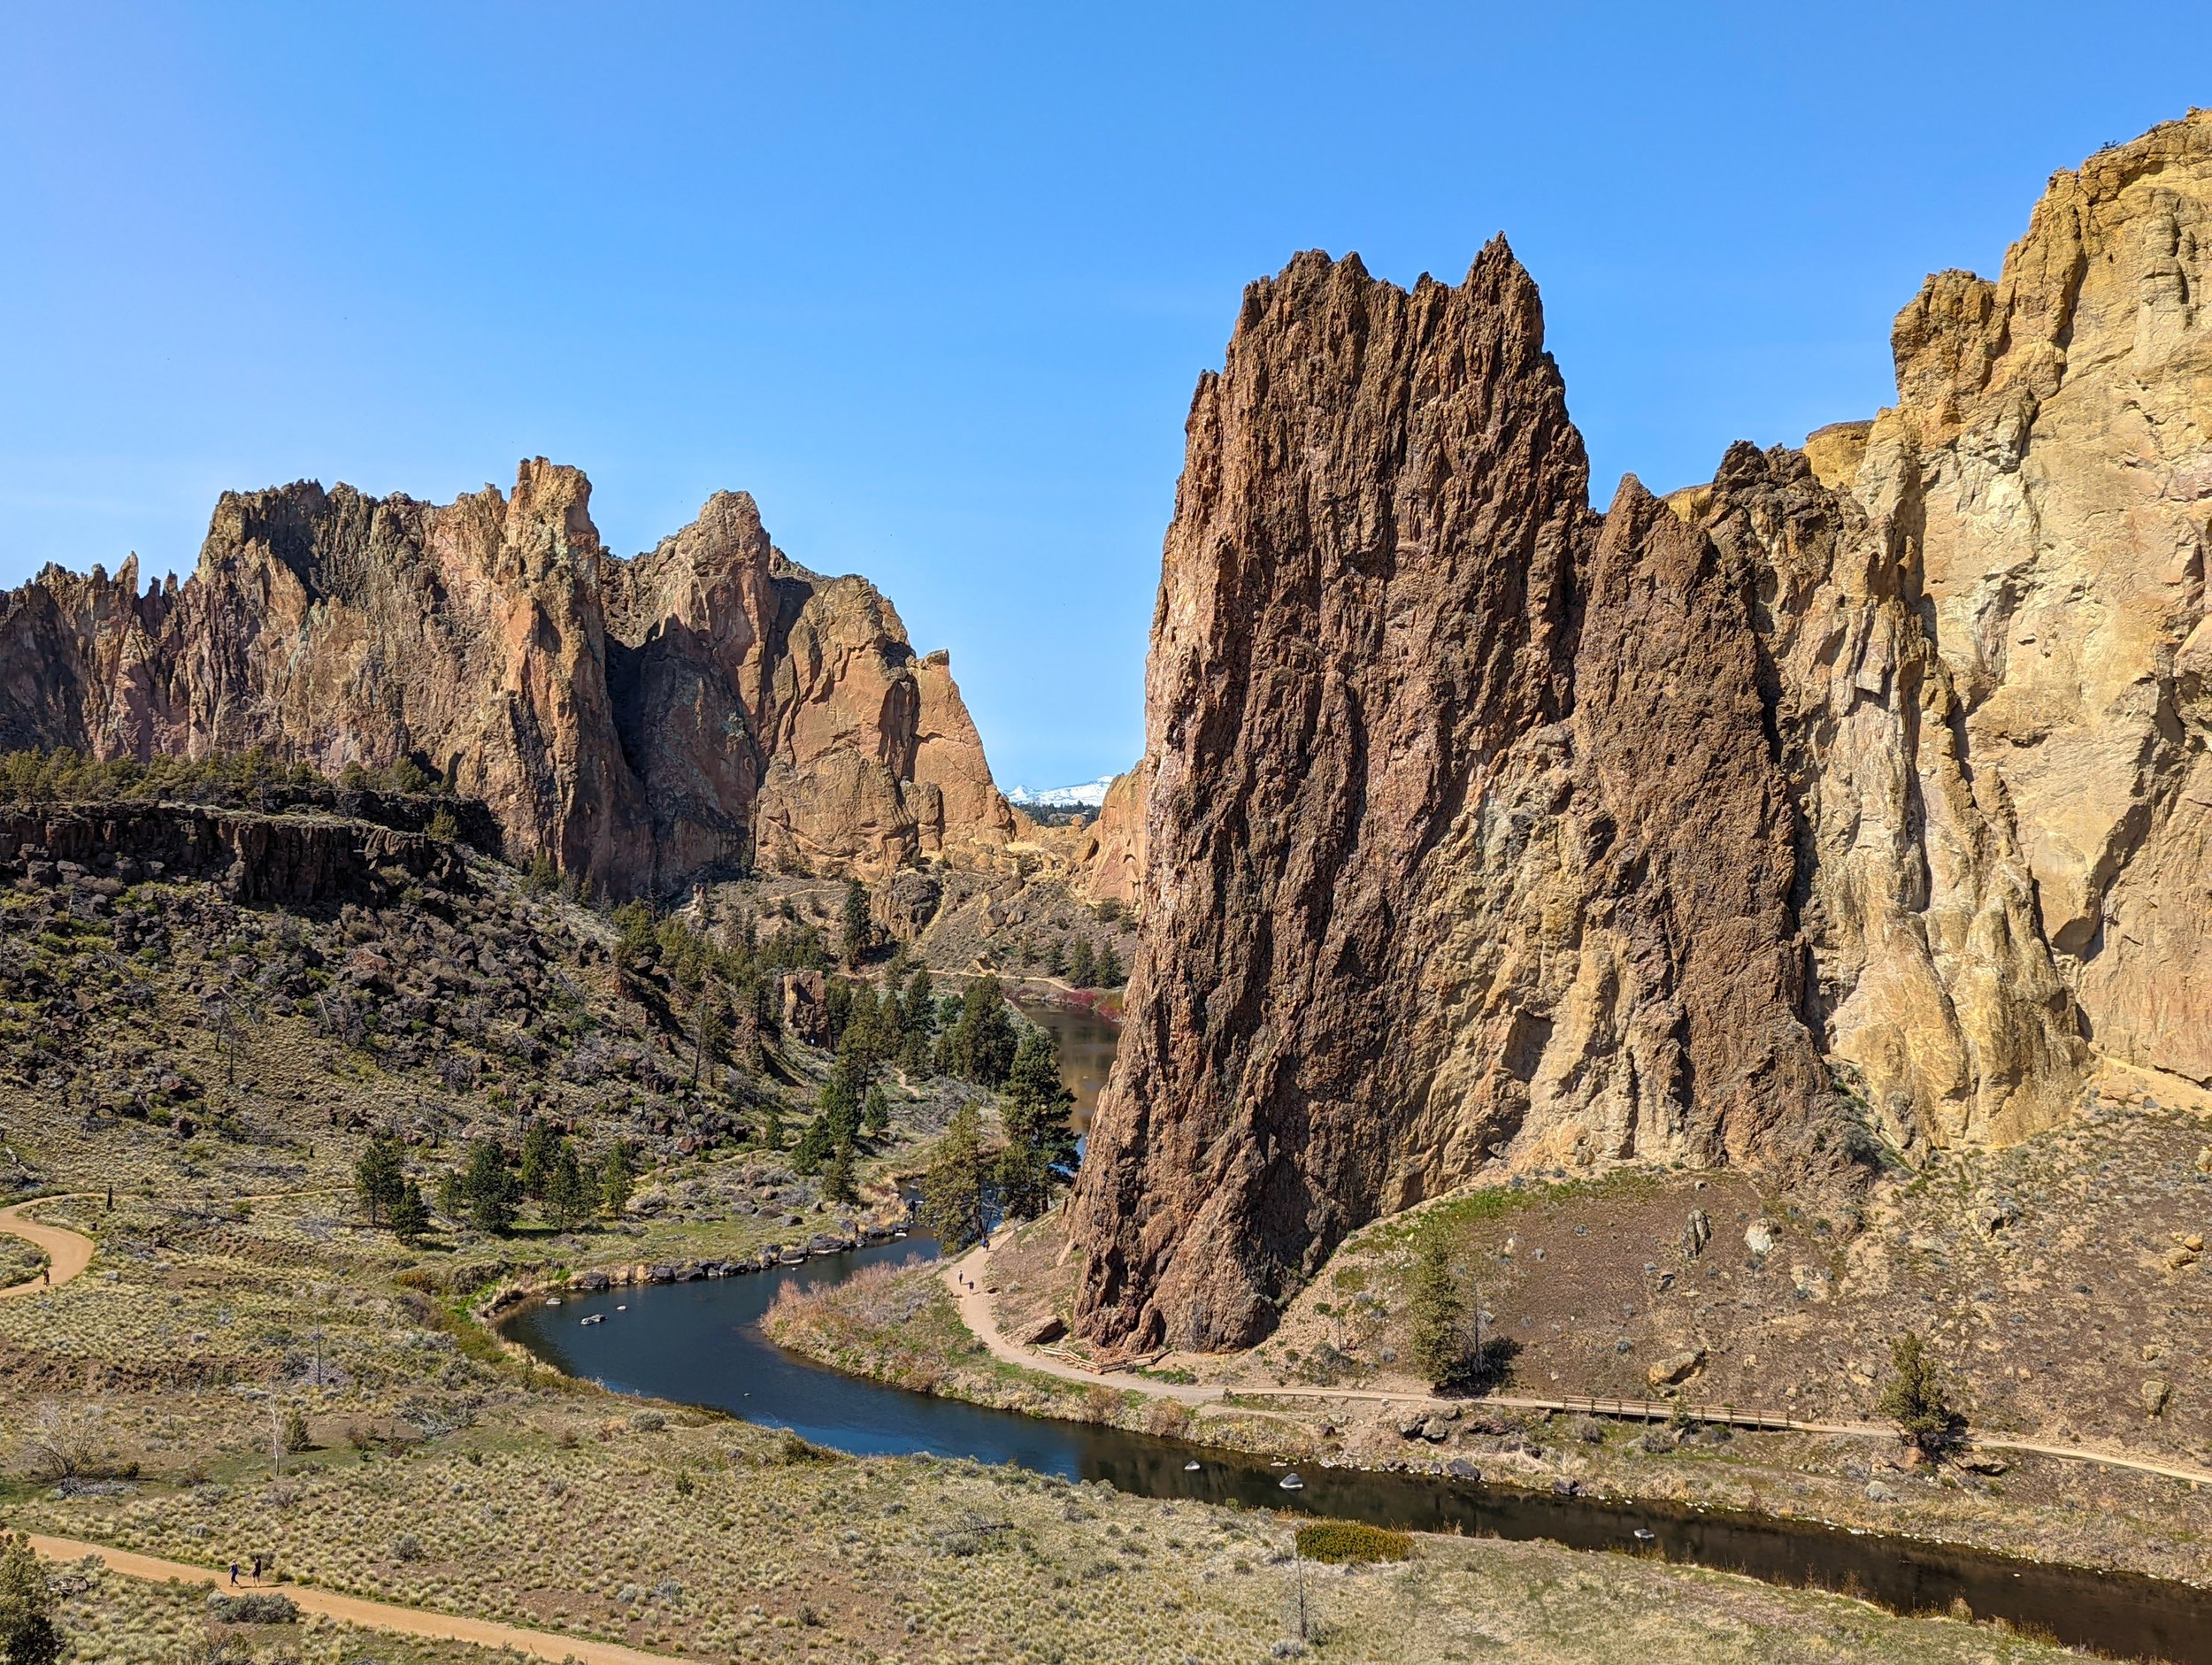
(1697, 1232)
(1995, 1217)
(1048, 1328)
(1877, 1493)
(1676, 1367)
(2157, 1394)
(1758, 1237)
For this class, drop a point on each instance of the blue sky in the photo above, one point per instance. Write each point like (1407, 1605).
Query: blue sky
(933, 282)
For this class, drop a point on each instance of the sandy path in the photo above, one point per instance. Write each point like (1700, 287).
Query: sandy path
(444, 1627)
(974, 1305)
(67, 1253)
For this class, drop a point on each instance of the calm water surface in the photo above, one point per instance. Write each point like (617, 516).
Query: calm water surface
(701, 1344)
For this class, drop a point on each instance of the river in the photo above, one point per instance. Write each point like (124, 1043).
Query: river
(701, 1343)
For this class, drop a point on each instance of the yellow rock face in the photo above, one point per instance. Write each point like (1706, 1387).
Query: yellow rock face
(2043, 490)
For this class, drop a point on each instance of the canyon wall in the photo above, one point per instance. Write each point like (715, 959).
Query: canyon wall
(703, 707)
(1857, 797)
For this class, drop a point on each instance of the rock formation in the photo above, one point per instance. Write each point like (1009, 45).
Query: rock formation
(644, 722)
(1109, 859)
(1861, 796)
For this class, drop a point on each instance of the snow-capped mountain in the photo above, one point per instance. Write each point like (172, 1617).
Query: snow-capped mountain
(1089, 795)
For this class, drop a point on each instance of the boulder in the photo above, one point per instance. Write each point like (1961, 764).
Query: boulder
(2157, 1394)
(1697, 1232)
(1676, 1367)
(1758, 1237)
(1048, 1328)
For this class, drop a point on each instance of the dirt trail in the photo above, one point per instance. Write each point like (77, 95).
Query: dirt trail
(444, 1627)
(67, 1253)
(974, 1305)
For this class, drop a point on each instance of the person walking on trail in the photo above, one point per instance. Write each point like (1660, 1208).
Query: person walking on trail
(257, 1569)
(234, 1572)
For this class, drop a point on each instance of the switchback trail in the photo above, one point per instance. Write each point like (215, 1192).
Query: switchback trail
(67, 1253)
(974, 1305)
(380, 1616)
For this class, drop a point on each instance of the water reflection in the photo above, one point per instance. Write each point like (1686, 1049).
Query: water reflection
(1088, 1043)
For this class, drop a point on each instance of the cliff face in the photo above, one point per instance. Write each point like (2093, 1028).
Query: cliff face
(642, 721)
(1858, 794)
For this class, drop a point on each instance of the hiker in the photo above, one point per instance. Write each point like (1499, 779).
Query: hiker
(257, 1569)
(234, 1572)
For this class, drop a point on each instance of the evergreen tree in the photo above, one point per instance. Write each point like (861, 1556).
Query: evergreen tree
(859, 927)
(1082, 968)
(411, 1214)
(875, 1113)
(980, 1045)
(771, 1125)
(568, 1196)
(540, 1143)
(816, 1147)
(952, 1189)
(28, 1635)
(1038, 1137)
(917, 1011)
(1109, 971)
(837, 1185)
(1056, 959)
(616, 1177)
(1915, 1397)
(1440, 1341)
(381, 1174)
(490, 1190)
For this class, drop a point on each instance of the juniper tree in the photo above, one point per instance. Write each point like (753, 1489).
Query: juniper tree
(952, 1188)
(616, 1177)
(380, 1175)
(1441, 1340)
(28, 1635)
(1915, 1398)
(411, 1214)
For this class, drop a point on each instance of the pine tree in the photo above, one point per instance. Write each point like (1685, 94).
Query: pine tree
(816, 1147)
(539, 1144)
(568, 1199)
(616, 1175)
(1038, 1137)
(859, 927)
(917, 1012)
(952, 1189)
(1082, 968)
(1056, 959)
(875, 1113)
(28, 1635)
(837, 1185)
(490, 1190)
(380, 1175)
(772, 1127)
(1109, 971)
(411, 1214)
(1439, 1342)
(980, 1045)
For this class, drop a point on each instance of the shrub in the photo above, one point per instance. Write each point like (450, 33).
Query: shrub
(262, 1607)
(1347, 1542)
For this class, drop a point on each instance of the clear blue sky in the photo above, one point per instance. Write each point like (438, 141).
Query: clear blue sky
(933, 281)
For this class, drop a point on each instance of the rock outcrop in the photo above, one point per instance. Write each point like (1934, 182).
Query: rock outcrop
(290, 860)
(1861, 796)
(1110, 858)
(644, 722)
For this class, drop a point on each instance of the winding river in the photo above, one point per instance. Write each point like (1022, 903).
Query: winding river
(701, 1343)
